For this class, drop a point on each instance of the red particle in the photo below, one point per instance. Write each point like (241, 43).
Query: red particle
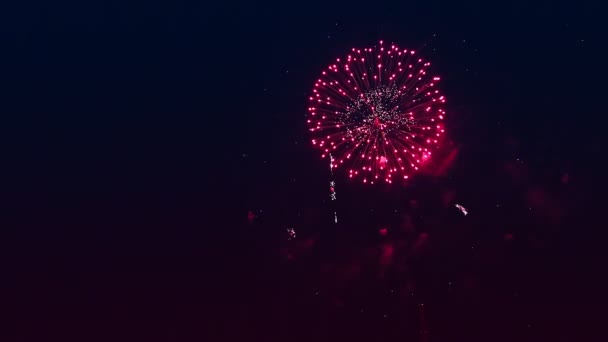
(387, 254)
(250, 216)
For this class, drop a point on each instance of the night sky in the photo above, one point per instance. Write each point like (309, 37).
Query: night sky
(155, 155)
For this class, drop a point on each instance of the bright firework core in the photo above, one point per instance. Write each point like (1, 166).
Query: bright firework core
(377, 112)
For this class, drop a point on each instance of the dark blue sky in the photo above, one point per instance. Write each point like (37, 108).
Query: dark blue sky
(104, 83)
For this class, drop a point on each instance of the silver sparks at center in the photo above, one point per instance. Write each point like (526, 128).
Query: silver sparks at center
(377, 112)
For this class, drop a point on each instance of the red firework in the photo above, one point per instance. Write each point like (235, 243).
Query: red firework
(377, 112)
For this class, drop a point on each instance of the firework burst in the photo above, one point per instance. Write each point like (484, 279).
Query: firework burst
(378, 113)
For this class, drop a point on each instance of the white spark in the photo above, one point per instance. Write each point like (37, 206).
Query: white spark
(462, 209)
(291, 233)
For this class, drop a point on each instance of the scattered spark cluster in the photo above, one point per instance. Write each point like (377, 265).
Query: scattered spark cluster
(378, 112)
(291, 233)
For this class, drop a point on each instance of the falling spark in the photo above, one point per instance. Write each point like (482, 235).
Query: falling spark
(462, 209)
(332, 184)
